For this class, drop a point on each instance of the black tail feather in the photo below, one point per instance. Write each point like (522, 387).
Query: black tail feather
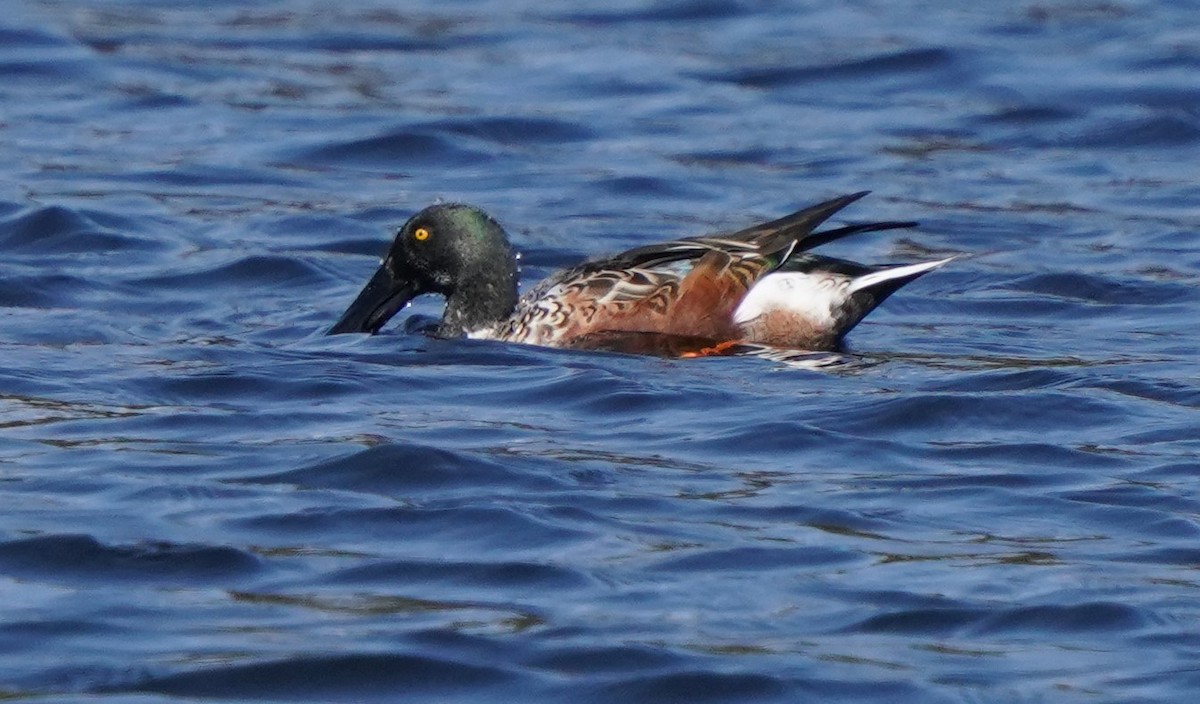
(817, 239)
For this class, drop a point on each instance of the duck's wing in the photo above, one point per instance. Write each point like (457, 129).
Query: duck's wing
(692, 295)
(687, 288)
(817, 239)
(797, 227)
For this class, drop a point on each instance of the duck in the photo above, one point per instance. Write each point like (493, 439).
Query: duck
(695, 296)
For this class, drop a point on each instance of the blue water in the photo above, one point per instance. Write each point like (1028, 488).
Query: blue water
(994, 498)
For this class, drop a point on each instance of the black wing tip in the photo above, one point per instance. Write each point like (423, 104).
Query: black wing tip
(824, 237)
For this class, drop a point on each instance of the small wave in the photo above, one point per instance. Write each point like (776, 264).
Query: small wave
(878, 66)
(58, 230)
(1088, 617)
(506, 575)
(394, 150)
(514, 130)
(371, 676)
(692, 10)
(759, 558)
(73, 558)
(406, 467)
(1155, 131)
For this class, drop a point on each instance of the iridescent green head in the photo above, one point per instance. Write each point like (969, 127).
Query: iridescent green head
(452, 249)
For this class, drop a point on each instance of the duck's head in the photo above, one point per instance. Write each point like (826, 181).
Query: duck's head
(452, 249)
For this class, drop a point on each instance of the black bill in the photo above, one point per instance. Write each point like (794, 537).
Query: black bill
(382, 297)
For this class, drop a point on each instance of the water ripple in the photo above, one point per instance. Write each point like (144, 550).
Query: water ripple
(988, 496)
(56, 558)
(371, 676)
(870, 68)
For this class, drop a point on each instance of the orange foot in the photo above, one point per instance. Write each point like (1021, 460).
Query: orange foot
(717, 349)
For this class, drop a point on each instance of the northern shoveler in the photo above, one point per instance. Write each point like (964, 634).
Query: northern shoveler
(699, 295)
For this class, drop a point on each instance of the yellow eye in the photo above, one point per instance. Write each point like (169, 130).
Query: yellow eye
(420, 234)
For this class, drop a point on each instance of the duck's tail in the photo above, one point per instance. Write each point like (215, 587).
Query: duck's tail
(883, 282)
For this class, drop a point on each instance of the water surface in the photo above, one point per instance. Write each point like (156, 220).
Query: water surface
(205, 498)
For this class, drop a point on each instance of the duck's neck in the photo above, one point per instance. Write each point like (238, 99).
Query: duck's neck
(481, 300)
